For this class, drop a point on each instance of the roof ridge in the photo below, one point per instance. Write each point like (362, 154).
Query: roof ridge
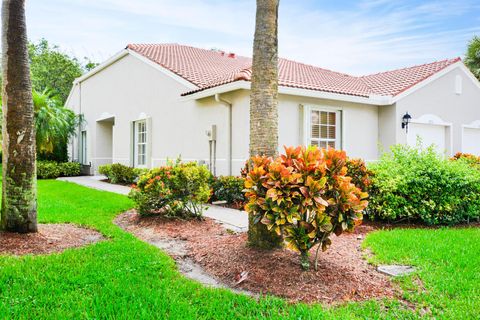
(317, 67)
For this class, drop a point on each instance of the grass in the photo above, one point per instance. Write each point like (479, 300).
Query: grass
(124, 278)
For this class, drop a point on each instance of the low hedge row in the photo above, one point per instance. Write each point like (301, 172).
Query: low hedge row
(53, 170)
(415, 184)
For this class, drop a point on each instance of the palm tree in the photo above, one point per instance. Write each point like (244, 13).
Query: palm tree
(263, 103)
(54, 124)
(19, 191)
(472, 58)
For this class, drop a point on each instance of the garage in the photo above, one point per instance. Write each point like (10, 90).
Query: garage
(432, 131)
(471, 138)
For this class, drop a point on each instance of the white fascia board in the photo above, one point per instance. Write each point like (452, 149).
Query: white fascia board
(74, 86)
(101, 66)
(432, 78)
(237, 85)
(228, 87)
(372, 100)
(163, 70)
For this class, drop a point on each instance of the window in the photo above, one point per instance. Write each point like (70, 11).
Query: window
(325, 129)
(83, 147)
(140, 147)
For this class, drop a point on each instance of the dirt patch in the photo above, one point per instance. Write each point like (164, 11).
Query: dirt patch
(49, 238)
(343, 274)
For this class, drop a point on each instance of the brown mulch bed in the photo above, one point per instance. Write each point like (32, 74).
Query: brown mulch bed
(343, 274)
(50, 238)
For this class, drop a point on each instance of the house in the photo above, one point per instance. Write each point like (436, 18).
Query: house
(153, 102)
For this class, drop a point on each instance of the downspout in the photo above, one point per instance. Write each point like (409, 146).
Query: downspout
(229, 105)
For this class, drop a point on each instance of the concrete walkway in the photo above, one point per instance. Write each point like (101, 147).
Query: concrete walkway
(235, 220)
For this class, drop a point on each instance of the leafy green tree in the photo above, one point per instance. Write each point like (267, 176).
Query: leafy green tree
(472, 58)
(54, 70)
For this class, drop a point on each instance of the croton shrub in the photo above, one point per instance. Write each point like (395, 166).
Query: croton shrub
(471, 159)
(305, 195)
(175, 190)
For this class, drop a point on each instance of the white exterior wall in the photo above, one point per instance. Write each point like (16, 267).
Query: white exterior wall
(359, 127)
(130, 90)
(439, 98)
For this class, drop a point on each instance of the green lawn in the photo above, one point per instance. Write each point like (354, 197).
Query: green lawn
(124, 278)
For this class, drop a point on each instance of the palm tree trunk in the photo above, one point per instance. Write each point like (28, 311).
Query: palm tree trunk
(19, 195)
(263, 103)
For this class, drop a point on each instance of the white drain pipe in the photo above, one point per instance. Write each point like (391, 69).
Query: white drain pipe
(229, 105)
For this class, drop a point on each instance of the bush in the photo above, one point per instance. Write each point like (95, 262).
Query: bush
(417, 184)
(120, 174)
(175, 190)
(229, 189)
(70, 169)
(304, 195)
(471, 159)
(53, 170)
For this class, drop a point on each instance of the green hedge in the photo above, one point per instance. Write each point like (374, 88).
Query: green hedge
(53, 170)
(416, 184)
(120, 174)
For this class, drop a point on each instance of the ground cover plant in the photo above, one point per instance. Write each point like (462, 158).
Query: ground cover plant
(417, 184)
(126, 278)
(306, 196)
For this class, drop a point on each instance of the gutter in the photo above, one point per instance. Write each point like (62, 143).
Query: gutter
(229, 105)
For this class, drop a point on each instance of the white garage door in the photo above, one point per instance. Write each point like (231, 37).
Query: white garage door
(430, 134)
(471, 141)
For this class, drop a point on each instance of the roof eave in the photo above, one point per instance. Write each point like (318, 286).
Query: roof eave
(245, 85)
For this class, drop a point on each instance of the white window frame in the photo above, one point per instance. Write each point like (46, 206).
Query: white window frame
(83, 147)
(137, 143)
(338, 125)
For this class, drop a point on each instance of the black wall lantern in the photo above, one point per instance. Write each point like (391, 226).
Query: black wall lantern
(405, 121)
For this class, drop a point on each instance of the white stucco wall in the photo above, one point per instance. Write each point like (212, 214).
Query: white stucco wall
(131, 89)
(439, 98)
(360, 125)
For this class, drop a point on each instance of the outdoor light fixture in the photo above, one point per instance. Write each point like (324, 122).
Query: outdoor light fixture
(405, 121)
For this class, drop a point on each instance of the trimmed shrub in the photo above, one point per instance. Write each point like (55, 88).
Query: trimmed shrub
(305, 195)
(417, 184)
(229, 189)
(53, 170)
(176, 190)
(70, 169)
(120, 174)
(48, 170)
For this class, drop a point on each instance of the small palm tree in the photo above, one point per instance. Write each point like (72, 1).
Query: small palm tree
(54, 123)
(472, 58)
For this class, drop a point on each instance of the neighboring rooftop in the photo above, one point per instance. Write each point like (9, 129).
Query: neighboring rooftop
(210, 68)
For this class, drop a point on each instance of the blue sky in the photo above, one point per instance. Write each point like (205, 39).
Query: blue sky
(356, 37)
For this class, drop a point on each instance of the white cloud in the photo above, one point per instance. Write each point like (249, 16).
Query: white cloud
(371, 36)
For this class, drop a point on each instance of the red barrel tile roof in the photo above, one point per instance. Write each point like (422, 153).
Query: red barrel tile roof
(210, 68)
